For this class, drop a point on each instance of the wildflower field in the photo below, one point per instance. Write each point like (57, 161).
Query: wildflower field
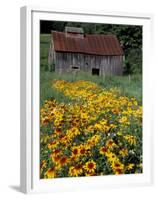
(88, 129)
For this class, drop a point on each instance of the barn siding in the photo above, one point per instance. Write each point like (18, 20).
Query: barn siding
(108, 65)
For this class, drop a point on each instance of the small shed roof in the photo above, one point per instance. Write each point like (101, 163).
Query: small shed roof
(96, 44)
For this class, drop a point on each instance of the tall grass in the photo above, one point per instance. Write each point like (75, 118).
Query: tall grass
(129, 86)
(44, 49)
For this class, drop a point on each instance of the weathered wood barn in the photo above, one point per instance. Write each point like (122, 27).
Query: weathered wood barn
(97, 54)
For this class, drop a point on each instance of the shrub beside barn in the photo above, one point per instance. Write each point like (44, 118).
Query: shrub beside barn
(98, 54)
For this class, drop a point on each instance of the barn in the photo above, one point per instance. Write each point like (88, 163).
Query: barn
(97, 54)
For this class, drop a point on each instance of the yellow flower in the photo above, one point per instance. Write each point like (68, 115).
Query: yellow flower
(93, 140)
(72, 172)
(119, 133)
(131, 139)
(75, 151)
(63, 161)
(113, 126)
(55, 158)
(80, 128)
(111, 157)
(103, 150)
(117, 167)
(89, 129)
(123, 152)
(130, 166)
(115, 110)
(110, 144)
(75, 170)
(89, 174)
(53, 144)
(90, 166)
(98, 126)
(65, 139)
(83, 115)
(140, 165)
(73, 132)
(82, 149)
(50, 173)
(43, 165)
(124, 120)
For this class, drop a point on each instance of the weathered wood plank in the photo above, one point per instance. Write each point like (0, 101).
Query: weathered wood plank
(107, 65)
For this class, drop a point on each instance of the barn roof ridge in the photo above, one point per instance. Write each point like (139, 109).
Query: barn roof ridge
(98, 44)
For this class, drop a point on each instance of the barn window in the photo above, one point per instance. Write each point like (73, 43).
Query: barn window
(95, 71)
(74, 67)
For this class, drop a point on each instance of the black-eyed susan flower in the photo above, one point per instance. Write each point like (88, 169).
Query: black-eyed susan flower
(82, 150)
(90, 174)
(130, 166)
(53, 144)
(123, 152)
(103, 150)
(55, 158)
(90, 166)
(130, 139)
(93, 141)
(72, 171)
(95, 122)
(74, 131)
(50, 173)
(63, 161)
(110, 144)
(78, 169)
(58, 131)
(75, 151)
(117, 167)
(124, 120)
(111, 157)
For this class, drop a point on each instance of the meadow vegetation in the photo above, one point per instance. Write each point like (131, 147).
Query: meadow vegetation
(89, 125)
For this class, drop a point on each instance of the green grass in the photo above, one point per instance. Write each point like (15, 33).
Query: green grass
(46, 91)
(130, 88)
(44, 48)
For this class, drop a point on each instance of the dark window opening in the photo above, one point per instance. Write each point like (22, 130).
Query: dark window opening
(64, 57)
(95, 71)
(74, 67)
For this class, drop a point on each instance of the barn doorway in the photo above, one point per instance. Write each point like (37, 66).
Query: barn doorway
(95, 71)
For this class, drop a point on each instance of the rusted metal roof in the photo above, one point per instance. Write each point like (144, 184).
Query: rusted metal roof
(89, 44)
